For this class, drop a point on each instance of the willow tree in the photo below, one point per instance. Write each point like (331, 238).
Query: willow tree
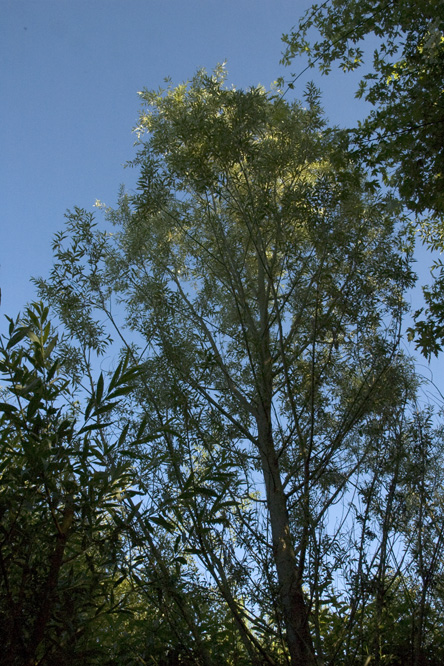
(265, 282)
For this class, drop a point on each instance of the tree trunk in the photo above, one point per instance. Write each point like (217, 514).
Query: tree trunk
(295, 608)
(296, 611)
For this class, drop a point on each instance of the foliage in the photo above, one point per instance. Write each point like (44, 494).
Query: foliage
(257, 281)
(402, 137)
(59, 496)
(428, 331)
(405, 129)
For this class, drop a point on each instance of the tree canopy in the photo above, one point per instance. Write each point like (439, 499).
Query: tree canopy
(283, 470)
(405, 130)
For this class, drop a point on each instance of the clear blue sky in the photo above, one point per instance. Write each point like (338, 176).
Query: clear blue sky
(70, 71)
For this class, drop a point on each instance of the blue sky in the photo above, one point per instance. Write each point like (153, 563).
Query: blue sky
(70, 71)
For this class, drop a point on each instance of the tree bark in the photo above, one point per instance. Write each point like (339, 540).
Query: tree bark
(295, 608)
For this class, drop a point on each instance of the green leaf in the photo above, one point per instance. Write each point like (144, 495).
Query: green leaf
(7, 408)
(17, 337)
(162, 522)
(93, 426)
(33, 337)
(99, 389)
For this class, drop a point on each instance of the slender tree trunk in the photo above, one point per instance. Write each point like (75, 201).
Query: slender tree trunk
(381, 591)
(295, 607)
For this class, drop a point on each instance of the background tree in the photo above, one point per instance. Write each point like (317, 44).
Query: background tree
(402, 137)
(263, 285)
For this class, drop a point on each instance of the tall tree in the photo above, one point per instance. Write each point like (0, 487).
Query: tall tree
(265, 282)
